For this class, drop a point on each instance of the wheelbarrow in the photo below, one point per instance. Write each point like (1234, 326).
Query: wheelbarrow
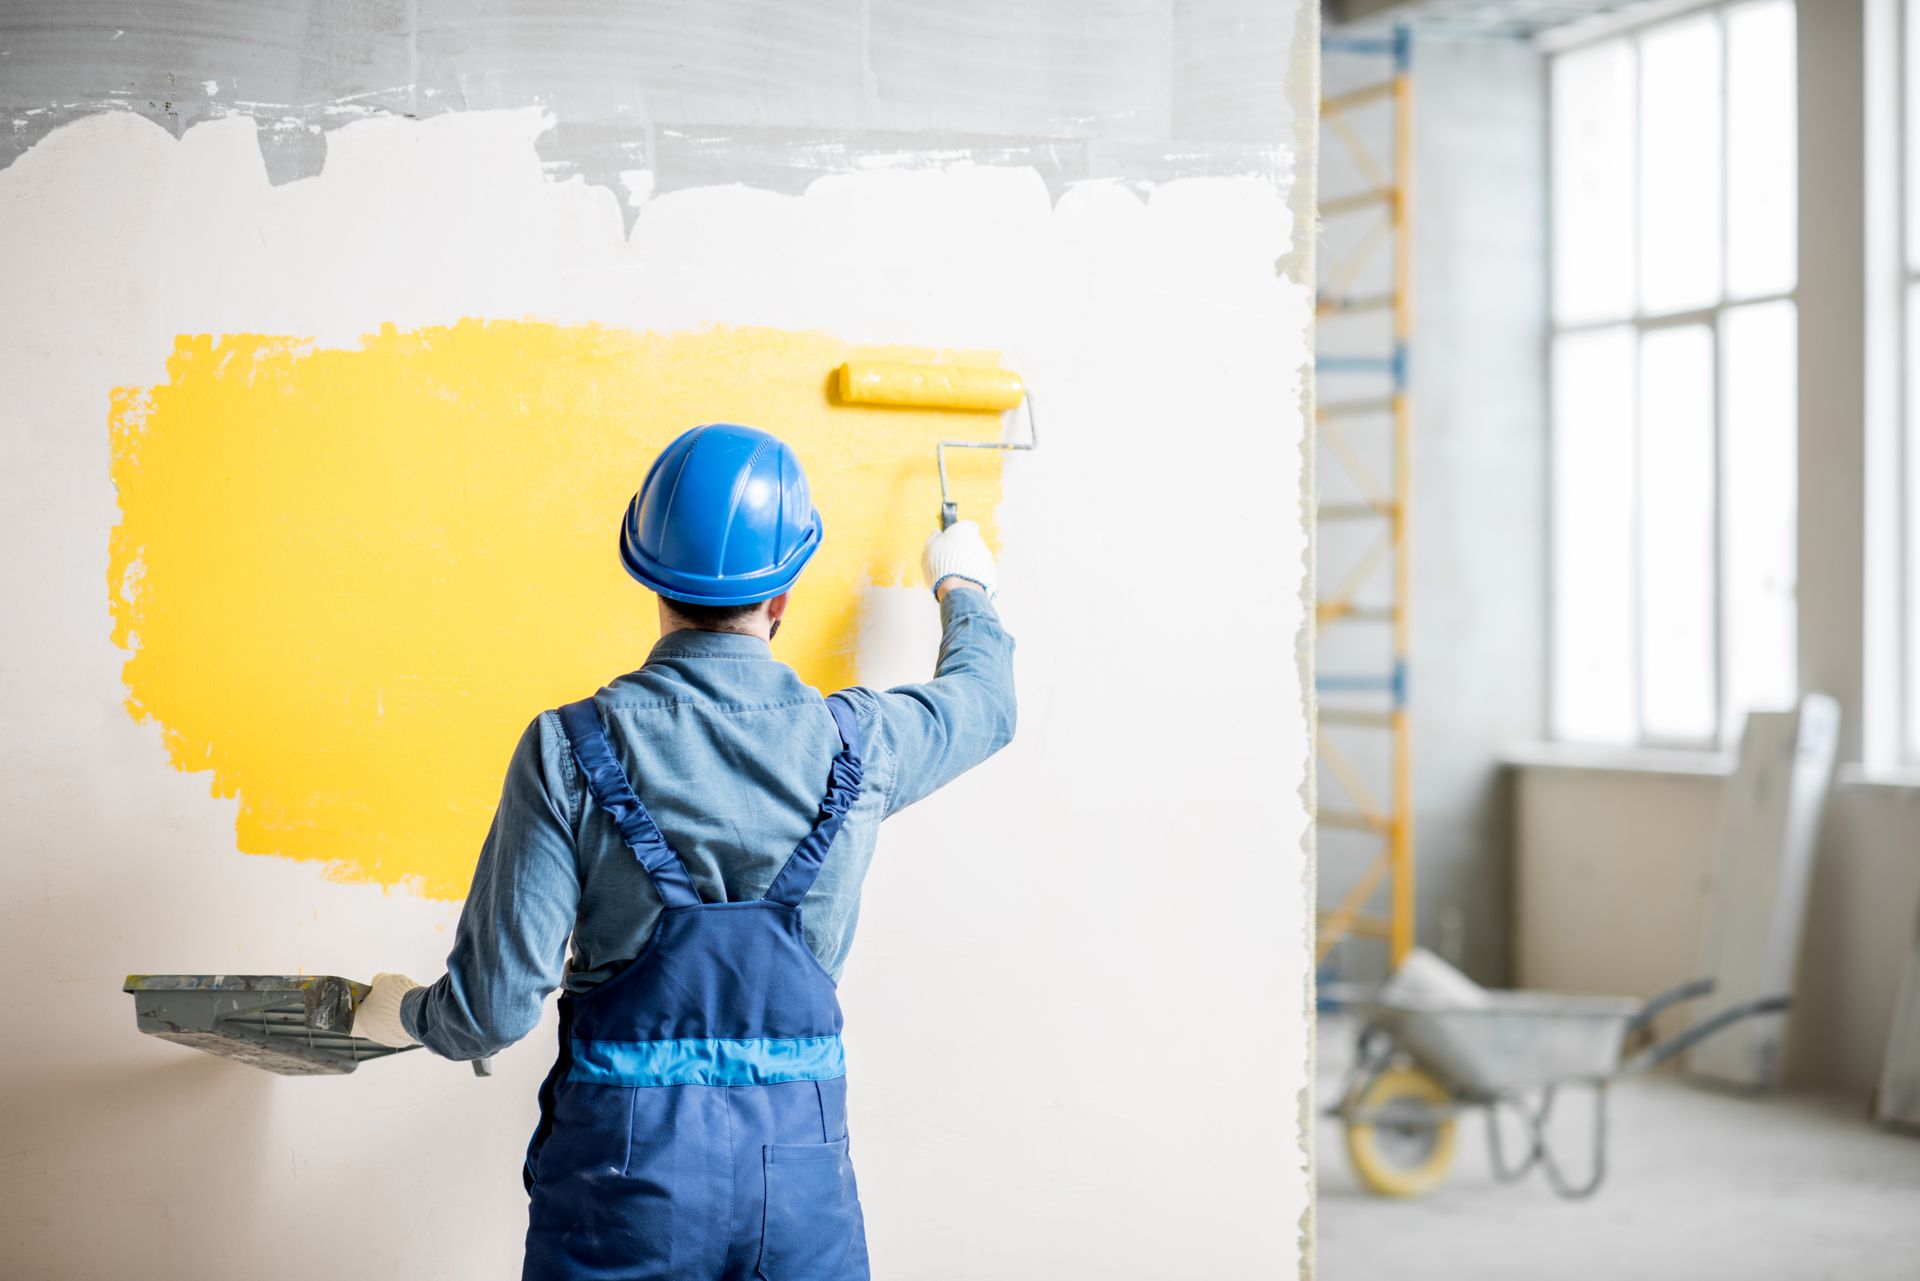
(1428, 1052)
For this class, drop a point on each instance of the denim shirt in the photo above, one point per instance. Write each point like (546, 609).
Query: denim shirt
(729, 751)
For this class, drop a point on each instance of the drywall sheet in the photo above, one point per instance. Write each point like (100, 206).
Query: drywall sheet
(1763, 864)
(1897, 1102)
(310, 493)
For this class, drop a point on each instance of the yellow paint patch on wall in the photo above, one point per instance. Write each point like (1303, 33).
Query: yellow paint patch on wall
(349, 578)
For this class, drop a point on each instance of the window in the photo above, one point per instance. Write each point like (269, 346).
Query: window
(1672, 368)
(1909, 513)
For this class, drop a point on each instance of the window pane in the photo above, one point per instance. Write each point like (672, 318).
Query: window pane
(1593, 171)
(1680, 165)
(1676, 534)
(1760, 148)
(1593, 478)
(1759, 502)
(1912, 500)
(1913, 141)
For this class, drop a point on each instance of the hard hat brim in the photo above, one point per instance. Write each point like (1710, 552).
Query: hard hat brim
(740, 589)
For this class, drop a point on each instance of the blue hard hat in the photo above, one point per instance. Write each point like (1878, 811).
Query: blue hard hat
(723, 518)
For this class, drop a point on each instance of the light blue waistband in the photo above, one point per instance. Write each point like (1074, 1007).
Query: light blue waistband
(756, 1061)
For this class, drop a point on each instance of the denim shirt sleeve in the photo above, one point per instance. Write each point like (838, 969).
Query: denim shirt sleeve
(510, 948)
(939, 730)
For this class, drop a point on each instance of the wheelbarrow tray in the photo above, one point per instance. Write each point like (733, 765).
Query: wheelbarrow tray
(1509, 1041)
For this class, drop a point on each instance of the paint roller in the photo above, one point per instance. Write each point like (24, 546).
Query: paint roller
(959, 388)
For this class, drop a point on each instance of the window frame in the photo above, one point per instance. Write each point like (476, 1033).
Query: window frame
(1639, 322)
(1903, 443)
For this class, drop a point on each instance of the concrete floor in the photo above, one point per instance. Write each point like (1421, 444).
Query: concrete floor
(1700, 1186)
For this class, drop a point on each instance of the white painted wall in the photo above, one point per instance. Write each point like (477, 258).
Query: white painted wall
(1100, 935)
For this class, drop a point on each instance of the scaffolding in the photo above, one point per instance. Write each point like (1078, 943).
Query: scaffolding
(1362, 422)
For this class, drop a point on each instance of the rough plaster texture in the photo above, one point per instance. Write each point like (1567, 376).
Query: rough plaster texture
(767, 93)
(121, 237)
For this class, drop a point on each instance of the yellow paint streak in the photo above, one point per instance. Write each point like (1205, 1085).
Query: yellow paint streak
(348, 578)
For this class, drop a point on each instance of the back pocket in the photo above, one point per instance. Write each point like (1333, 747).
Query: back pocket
(812, 1230)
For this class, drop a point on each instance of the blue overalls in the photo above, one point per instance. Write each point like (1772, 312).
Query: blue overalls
(695, 1123)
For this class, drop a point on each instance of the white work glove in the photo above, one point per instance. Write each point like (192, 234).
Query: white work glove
(378, 1016)
(958, 551)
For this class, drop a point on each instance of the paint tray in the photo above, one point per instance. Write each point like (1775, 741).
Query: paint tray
(291, 1024)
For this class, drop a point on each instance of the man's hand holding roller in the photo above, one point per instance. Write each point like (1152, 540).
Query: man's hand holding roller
(958, 556)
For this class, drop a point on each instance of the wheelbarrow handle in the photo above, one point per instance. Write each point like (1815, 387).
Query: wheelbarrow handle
(1691, 990)
(1660, 1052)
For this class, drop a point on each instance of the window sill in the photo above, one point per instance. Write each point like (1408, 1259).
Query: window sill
(1896, 778)
(1672, 763)
(1591, 758)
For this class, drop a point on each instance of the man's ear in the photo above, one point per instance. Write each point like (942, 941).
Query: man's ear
(777, 607)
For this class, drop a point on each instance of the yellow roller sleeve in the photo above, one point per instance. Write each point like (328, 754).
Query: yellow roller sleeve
(888, 382)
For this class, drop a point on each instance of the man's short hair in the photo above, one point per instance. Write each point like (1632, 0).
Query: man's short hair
(713, 617)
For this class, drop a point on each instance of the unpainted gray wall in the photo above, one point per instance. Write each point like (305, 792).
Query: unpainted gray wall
(1478, 514)
(752, 91)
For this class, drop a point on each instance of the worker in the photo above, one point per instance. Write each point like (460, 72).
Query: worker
(700, 829)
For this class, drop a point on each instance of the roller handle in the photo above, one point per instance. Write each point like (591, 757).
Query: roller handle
(935, 386)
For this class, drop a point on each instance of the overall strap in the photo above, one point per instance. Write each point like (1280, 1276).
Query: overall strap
(843, 789)
(614, 794)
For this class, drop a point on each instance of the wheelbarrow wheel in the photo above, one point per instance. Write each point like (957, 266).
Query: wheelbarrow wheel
(1404, 1144)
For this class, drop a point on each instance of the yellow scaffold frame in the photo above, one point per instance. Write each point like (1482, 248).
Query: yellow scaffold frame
(1384, 502)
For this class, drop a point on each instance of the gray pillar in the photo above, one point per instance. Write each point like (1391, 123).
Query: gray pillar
(1833, 355)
